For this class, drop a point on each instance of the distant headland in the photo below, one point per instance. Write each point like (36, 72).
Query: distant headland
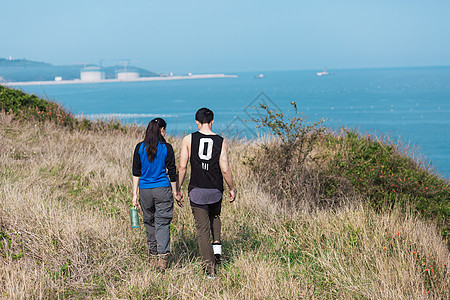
(20, 72)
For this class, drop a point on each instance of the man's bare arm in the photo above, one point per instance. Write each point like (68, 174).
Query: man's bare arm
(226, 170)
(184, 158)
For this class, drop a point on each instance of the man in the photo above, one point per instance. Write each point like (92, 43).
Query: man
(207, 153)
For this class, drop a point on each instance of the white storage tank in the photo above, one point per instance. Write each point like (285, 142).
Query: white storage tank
(127, 75)
(92, 74)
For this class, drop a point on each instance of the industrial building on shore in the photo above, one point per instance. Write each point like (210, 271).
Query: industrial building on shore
(93, 73)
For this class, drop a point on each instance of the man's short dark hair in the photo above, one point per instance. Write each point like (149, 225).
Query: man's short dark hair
(204, 115)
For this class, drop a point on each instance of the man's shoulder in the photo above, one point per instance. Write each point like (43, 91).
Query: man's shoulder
(186, 141)
(217, 135)
(211, 134)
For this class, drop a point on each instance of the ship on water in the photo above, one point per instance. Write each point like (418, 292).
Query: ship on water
(324, 72)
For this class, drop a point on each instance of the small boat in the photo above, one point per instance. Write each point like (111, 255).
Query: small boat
(259, 76)
(323, 73)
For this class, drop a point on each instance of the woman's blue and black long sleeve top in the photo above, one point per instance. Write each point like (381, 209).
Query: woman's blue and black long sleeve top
(153, 174)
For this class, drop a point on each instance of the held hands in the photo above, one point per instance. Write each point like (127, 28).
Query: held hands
(179, 198)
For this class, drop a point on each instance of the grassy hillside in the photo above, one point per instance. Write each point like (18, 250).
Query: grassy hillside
(65, 191)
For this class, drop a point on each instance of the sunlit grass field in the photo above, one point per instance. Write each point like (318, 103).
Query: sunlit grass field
(65, 231)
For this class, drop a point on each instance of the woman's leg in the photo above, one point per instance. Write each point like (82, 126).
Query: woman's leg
(147, 203)
(163, 217)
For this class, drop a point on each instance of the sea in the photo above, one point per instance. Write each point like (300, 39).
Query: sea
(409, 106)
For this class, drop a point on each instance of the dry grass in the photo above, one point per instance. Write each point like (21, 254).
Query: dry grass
(64, 225)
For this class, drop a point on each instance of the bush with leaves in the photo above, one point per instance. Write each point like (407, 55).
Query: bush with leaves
(30, 107)
(387, 177)
(284, 164)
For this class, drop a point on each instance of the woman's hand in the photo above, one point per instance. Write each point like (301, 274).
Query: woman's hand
(135, 201)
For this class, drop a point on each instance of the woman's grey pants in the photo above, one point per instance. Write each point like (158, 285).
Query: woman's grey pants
(157, 209)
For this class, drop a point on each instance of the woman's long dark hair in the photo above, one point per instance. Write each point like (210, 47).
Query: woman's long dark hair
(153, 136)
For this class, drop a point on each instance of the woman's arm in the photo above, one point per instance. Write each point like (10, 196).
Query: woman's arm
(172, 172)
(136, 174)
(170, 164)
(135, 200)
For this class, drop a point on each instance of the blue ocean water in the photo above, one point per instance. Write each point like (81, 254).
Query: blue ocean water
(410, 105)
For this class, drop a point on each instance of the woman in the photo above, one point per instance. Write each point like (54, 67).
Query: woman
(157, 188)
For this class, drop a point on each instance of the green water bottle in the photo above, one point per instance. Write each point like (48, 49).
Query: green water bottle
(134, 217)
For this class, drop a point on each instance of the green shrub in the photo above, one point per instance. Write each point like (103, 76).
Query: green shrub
(309, 167)
(388, 178)
(32, 108)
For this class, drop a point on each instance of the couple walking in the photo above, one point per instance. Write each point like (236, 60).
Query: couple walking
(155, 178)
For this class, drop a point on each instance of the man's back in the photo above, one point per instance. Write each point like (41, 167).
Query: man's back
(205, 154)
(208, 158)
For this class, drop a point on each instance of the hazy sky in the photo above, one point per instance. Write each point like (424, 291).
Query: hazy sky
(229, 35)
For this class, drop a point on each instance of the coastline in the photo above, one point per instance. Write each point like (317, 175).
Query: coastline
(78, 81)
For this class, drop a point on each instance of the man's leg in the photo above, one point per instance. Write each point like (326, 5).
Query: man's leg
(203, 226)
(216, 226)
(147, 203)
(214, 219)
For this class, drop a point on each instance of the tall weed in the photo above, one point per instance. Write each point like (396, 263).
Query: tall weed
(284, 163)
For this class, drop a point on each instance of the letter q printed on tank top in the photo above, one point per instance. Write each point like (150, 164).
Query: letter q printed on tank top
(205, 168)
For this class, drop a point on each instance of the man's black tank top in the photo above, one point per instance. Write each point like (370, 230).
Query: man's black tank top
(205, 168)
